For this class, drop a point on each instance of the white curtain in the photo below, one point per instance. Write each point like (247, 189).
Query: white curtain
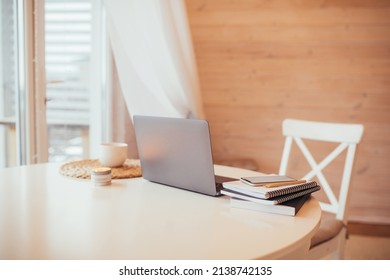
(153, 52)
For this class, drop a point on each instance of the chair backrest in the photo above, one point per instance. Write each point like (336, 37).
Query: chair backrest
(348, 135)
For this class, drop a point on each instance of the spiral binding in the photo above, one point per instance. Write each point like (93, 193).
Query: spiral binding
(292, 189)
(297, 194)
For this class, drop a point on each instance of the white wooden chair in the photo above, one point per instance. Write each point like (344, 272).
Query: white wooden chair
(329, 240)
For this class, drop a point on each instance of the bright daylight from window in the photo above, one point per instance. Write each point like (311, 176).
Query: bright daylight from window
(70, 74)
(72, 32)
(8, 79)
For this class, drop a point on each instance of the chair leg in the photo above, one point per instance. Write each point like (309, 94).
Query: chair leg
(338, 254)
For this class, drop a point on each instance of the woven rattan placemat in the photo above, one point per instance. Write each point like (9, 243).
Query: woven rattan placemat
(82, 169)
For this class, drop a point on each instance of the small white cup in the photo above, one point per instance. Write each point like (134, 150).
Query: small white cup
(112, 154)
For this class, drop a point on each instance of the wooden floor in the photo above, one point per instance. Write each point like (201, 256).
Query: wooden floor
(368, 242)
(369, 230)
(363, 247)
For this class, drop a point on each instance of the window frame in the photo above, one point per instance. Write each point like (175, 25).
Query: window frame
(25, 96)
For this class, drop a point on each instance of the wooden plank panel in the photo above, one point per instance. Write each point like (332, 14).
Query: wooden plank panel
(212, 50)
(363, 100)
(243, 114)
(307, 68)
(287, 16)
(246, 81)
(237, 5)
(333, 34)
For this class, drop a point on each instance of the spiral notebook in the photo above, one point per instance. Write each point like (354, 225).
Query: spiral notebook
(264, 192)
(271, 201)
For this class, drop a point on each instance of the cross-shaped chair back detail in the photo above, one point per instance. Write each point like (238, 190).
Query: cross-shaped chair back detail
(348, 135)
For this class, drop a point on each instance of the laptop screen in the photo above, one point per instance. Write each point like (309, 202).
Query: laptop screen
(176, 152)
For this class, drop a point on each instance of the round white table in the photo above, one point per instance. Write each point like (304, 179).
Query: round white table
(45, 215)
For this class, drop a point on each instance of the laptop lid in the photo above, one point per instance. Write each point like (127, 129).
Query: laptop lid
(176, 152)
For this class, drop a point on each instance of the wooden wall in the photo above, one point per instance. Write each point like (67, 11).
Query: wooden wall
(260, 62)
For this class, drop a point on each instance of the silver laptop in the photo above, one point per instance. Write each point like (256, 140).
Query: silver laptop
(177, 152)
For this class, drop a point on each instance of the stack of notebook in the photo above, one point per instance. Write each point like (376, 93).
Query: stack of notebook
(272, 197)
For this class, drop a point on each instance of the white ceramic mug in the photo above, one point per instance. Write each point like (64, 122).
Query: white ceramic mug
(112, 154)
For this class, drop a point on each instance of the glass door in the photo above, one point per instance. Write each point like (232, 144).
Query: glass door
(73, 54)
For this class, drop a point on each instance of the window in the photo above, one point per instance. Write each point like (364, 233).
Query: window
(72, 43)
